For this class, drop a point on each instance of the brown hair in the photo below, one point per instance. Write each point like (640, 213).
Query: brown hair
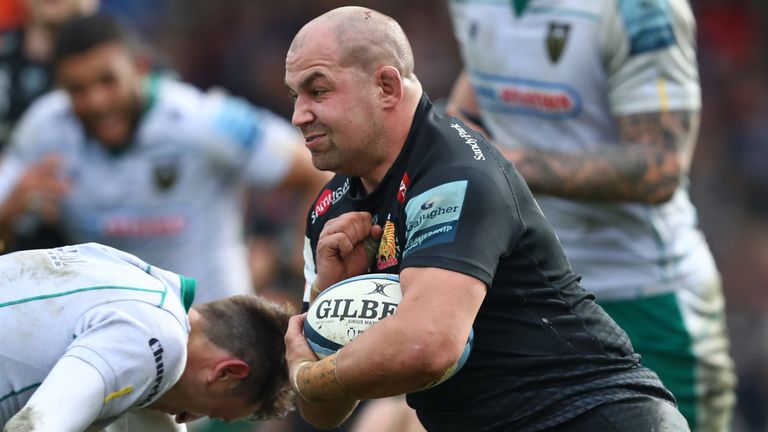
(252, 329)
(82, 33)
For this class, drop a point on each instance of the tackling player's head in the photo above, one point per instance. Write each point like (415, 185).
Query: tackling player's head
(236, 364)
(95, 61)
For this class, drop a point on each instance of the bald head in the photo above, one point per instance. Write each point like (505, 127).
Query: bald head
(350, 73)
(362, 38)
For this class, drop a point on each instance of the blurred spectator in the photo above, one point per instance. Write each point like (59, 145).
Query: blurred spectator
(11, 14)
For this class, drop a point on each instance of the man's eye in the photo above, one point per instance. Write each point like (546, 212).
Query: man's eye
(319, 92)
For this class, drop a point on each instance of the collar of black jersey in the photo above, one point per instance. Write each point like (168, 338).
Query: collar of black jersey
(395, 172)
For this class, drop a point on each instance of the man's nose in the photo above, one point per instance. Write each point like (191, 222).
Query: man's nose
(96, 98)
(302, 114)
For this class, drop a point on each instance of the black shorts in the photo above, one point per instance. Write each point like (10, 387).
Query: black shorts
(632, 415)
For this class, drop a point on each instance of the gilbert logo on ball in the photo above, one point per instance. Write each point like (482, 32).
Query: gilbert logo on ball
(348, 308)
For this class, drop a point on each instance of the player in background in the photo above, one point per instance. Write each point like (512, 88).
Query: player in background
(145, 163)
(91, 333)
(443, 209)
(597, 104)
(25, 74)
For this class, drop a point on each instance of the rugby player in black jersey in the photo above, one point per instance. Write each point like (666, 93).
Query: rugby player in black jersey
(472, 249)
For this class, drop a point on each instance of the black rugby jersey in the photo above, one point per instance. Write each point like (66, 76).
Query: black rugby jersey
(543, 351)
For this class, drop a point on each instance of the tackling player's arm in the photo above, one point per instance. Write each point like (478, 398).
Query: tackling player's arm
(68, 400)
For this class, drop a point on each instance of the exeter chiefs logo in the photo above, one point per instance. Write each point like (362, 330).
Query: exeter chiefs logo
(556, 39)
(387, 254)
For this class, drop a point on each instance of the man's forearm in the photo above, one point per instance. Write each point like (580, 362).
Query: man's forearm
(646, 167)
(69, 400)
(323, 401)
(612, 174)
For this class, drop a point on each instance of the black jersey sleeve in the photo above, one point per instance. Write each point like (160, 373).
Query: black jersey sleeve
(462, 219)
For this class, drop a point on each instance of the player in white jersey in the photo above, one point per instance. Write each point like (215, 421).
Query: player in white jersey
(91, 332)
(597, 104)
(147, 164)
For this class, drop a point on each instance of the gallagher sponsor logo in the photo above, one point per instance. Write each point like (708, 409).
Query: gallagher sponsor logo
(451, 212)
(327, 199)
(526, 97)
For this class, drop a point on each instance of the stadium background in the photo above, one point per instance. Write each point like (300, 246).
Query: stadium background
(240, 45)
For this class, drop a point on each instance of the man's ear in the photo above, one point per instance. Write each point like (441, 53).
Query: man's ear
(391, 84)
(230, 370)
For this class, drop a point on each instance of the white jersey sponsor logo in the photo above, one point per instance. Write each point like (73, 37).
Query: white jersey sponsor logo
(527, 97)
(144, 227)
(468, 140)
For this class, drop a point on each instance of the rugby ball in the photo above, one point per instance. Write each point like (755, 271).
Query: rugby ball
(348, 308)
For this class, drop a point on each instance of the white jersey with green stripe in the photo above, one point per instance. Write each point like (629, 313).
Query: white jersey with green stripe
(108, 308)
(173, 196)
(553, 75)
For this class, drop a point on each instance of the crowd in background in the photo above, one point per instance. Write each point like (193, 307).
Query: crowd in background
(730, 182)
(240, 45)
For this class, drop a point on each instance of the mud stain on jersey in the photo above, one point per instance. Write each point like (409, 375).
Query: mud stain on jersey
(24, 421)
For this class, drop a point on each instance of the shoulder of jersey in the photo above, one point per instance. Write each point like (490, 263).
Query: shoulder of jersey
(51, 105)
(460, 143)
(178, 97)
(183, 110)
(48, 115)
(197, 106)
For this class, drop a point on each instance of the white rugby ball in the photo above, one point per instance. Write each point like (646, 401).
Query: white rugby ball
(348, 308)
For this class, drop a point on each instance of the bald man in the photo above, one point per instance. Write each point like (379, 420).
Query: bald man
(454, 219)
